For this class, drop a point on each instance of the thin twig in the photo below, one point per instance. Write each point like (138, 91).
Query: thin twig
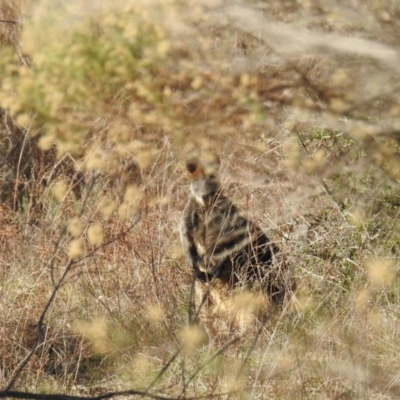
(248, 353)
(204, 364)
(18, 48)
(16, 184)
(9, 21)
(41, 396)
(39, 329)
(191, 320)
(339, 205)
(163, 370)
(64, 230)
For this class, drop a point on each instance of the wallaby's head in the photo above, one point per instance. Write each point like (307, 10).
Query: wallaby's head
(204, 180)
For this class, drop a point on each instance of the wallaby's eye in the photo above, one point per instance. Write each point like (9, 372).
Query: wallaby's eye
(191, 167)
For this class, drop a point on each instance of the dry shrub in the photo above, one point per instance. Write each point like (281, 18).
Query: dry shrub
(101, 104)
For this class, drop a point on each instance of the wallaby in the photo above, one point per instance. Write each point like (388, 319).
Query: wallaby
(221, 244)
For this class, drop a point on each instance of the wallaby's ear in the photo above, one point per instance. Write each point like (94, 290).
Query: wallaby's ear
(194, 166)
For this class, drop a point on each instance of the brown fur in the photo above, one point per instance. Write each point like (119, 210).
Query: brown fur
(226, 250)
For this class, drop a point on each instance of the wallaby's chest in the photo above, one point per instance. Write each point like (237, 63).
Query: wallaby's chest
(210, 225)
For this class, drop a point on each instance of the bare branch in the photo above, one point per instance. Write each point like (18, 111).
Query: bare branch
(8, 21)
(41, 396)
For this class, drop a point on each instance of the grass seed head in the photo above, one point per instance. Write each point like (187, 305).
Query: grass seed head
(96, 333)
(59, 189)
(75, 249)
(380, 272)
(96, 234)
(75, 227)
(192, 337)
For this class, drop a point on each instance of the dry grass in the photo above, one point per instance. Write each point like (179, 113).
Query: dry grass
(130, 300)
(309, 148)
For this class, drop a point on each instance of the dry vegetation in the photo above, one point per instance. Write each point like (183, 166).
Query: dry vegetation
(101, 103)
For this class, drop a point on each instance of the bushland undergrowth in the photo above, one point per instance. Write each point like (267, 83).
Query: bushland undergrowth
(100, 107)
